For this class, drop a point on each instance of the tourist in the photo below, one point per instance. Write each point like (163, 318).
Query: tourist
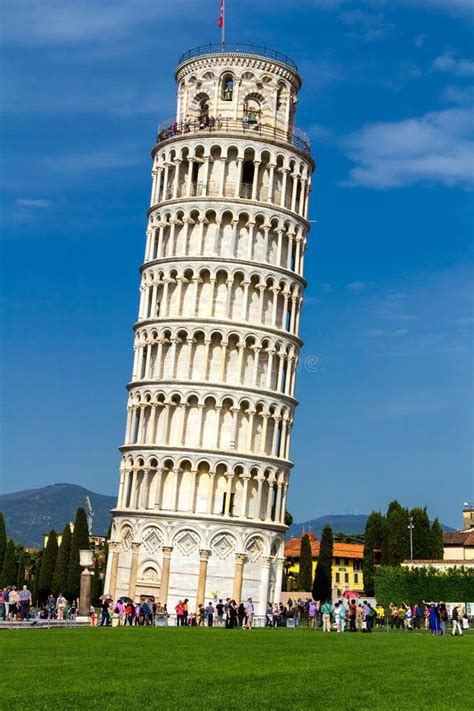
(210, 610)
(312, 612)
(249, 613)
(61, 603)
(220, 612)
(269, 615)
(443, 616)
(370, 617)
(360, 617)
(25, 602)
(241, 615)
(6, 604)
(465, 621)
(93, 616)
(457, 629)
(232, 613)
(408, 617)
(342, 617)
(179, 609)
(105, 617)
(14, 600)
(434, 620)
(352, 614)
(326, 611)
(51, 607)
(185, 611)
(380, 612)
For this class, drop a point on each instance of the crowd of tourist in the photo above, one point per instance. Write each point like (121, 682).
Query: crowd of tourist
(16, 605)
(339, 616)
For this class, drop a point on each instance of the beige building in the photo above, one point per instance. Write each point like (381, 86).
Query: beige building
(205, 462)
(459, 545)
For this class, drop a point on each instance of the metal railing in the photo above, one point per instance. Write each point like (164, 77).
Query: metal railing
(214, 189)
(206, 124)
(238, 48)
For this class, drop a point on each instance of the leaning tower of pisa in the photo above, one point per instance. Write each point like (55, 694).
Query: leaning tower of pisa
(205, 463)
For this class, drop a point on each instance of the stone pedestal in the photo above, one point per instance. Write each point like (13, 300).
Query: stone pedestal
(85, 594)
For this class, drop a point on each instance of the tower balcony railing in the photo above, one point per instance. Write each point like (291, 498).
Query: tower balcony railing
(256, 129)
(238, 48)
(215, 189)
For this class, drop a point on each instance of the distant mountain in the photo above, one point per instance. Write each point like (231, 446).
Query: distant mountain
(349, 523)
(29, 514)
(340, 523)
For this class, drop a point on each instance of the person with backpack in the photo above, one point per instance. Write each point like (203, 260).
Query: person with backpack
(352, 616)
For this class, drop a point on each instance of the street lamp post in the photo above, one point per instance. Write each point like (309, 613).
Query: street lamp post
(411, 527)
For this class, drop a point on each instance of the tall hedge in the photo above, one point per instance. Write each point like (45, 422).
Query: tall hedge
(61, 571)
(305, 578)
(413, 585)
(9, 567)
(48, 564)
(373, 538)
(80, 541)
(322, 585)
(3, 539)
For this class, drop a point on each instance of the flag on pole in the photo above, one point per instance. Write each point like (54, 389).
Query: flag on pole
(220, 21)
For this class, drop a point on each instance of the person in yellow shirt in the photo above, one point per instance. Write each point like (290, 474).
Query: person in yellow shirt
(380, 610)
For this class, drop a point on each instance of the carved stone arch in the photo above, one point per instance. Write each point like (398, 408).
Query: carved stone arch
(255, 547)
(149, 573)
(223, 543)
(187, 539)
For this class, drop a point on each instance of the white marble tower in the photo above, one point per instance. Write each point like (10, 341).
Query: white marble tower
(205, 463)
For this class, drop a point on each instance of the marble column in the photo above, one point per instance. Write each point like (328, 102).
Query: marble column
(165, 574)
(264, 582)
(201, 588)
(114, 550)
(134, 570)
(238, 576)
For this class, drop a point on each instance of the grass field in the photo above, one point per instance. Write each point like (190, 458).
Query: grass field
(148, 668)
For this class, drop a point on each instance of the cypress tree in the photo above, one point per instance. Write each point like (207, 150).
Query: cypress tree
(3, 538)
(9, 568)
(306, 565)
(20, 580)
(48, 564)
(323, 578)
(421, 534)
(373, 538)
(288, 519)
(61, 571)
(436, 539)
(396, 541)
(80, 541)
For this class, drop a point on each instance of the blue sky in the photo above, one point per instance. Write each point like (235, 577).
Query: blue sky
(386, 377)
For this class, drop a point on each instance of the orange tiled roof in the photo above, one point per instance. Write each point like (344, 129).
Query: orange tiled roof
(340, 550)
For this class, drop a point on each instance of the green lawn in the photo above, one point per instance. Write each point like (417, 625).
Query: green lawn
(148, 668)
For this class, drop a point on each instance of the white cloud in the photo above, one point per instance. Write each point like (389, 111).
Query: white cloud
(94, 160)
(373, 27)
(447, 63)
(356, 286)
(57, 22)
(420, 40)
(436, 147)
(463, 96)
(28, 202)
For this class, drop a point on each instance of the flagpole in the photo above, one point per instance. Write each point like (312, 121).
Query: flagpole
(223, 25)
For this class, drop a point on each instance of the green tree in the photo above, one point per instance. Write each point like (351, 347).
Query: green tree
(288, 518)
(61, 571)
(48, 564)
(80, 541)
(436, 539)
(305, 577)
(373, 538)
(323, 577)
(421, 534)
(396, 546)
(20, 579)
(3, 538)
(9, 567)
